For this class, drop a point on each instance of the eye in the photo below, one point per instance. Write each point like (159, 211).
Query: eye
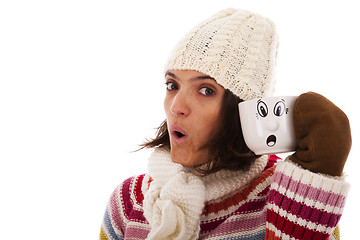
(207, 91)
(262, 109)
(170, 86)
(279, 108)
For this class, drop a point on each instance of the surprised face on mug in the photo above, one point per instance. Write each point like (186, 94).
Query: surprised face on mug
(267, 124)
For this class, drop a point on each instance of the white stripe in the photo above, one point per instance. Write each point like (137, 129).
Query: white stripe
(136, 206)
(105, 226)
(252, 196)
(300, 221)
(224, 212)
(277, 232)
(332, 184)
(233, 234)
(304, 200)
(140, 225)
(240, 217)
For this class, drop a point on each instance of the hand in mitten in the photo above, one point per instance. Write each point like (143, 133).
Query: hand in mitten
(322, 133)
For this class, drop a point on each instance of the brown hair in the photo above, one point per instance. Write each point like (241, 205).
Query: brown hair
(227, 149)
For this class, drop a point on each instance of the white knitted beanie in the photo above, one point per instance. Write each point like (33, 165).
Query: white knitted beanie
(236, 47)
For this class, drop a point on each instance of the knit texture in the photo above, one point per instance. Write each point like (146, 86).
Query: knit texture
(174, 201)
(176, 197)
(236, 47)
(281, 201)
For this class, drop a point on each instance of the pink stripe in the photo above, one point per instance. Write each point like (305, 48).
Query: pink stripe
(125, 197)
(308, 191)
(247, 208)
(246, 224)
(136, 232)
(211, 225)
(305, 212)
(114, 207)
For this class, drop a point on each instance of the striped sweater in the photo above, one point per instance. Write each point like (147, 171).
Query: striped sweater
(278, 201)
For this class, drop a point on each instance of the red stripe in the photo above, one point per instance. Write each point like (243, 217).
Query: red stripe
(264, 192)
(125, 191)
(272, 160)
(303, 211)
(238, 197)
(270, 235)
(127, 202)
(249, 207)
(139, 197)
(292, 229)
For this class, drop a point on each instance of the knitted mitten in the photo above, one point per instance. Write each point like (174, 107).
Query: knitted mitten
(322, 133)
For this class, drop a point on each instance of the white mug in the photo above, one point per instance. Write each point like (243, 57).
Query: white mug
(267, 124)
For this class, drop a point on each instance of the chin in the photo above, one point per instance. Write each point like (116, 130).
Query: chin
(180, 159)
(186, 159)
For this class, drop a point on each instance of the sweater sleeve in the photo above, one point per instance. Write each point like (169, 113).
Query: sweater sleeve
(303, 204)
(123, 216)
(112, 221)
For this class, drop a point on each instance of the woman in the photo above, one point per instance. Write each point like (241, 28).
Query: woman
(202, 181)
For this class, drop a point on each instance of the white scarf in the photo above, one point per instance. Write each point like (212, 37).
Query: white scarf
(176, 197)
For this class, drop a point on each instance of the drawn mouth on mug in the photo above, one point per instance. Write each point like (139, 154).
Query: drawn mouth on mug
(271, 140)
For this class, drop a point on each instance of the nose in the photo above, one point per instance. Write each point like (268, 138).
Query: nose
(179, 105)
(272, 125)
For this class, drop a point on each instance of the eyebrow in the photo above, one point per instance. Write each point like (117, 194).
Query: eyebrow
(195, 78)
(170, 74)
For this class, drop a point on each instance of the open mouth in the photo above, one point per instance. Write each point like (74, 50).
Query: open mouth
(179, 134)
(271, 140)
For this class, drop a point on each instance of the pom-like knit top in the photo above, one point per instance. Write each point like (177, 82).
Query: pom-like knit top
(272, 200)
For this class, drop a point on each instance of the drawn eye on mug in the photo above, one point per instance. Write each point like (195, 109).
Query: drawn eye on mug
(279, 108)
(262, 108)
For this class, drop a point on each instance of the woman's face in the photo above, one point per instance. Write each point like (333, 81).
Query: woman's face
(192, 106)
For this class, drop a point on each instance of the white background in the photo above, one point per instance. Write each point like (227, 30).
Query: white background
(81, 85)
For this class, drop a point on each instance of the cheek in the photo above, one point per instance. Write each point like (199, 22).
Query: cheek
(209, 124)
(166, 106)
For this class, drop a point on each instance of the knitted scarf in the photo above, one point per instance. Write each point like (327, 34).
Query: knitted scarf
(176, 197)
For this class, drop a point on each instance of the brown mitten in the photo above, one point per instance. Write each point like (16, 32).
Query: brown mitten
(322, 134)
